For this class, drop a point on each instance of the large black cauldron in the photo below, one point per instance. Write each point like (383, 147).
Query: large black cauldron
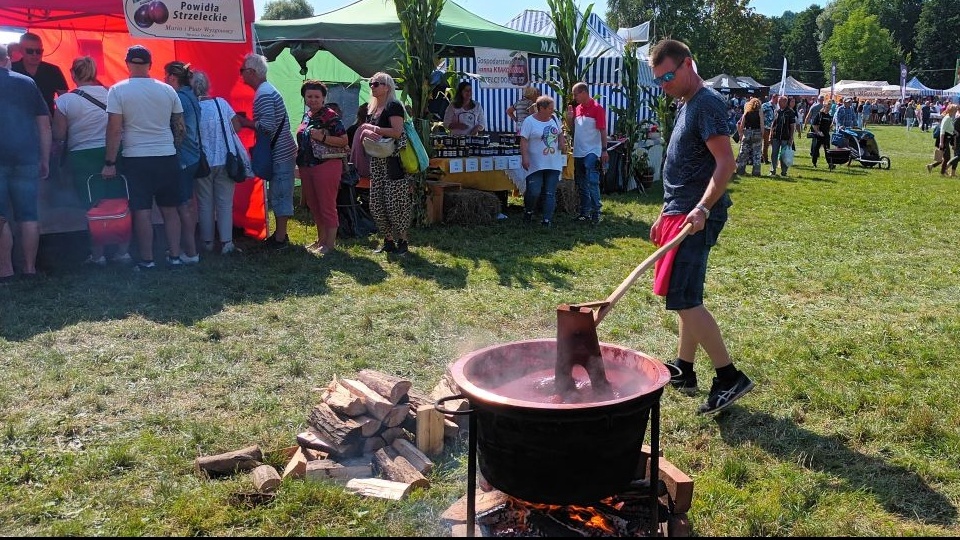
(557, 453)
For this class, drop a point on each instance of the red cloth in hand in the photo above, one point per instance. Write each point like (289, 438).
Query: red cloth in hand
(670, 227)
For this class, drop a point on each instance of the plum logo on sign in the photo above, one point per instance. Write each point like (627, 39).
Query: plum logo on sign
(147, 15)
(517, 72)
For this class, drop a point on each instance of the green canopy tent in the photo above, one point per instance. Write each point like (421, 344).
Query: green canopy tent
(366, 36)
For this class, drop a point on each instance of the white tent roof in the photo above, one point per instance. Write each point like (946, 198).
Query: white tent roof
(955, 91)
(795, 88)
(602, 41)
(639, 33)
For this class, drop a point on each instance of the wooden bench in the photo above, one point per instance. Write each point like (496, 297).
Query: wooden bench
(435, 199)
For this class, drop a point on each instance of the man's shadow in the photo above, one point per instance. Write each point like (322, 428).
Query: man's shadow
(899, 490)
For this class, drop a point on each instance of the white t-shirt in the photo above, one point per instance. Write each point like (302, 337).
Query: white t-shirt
(211, 132)
(543, 144)
(473, 117)
(86, 122)
(146, 105)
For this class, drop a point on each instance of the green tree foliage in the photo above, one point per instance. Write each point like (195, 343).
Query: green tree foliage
(862, 49)
(285, 10)
(899, 17)
(801, 50)
(937, 45)
(677, 19)
(720, 45)
(772, 58)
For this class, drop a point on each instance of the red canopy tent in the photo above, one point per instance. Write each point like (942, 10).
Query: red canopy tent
(98, 28)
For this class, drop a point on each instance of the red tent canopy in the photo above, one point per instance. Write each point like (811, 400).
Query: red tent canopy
(98, 28)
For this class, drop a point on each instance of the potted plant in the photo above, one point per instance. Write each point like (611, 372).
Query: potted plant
(642, 170)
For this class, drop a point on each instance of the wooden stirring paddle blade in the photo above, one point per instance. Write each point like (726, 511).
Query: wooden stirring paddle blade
(578, 344)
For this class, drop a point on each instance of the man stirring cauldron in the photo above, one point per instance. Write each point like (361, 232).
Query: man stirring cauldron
(698, 168)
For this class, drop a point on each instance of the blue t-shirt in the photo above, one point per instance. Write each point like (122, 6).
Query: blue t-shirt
(690, 164)
(20, 106)
(189, 151)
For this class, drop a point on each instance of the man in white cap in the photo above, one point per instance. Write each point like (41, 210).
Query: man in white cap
(146, 115)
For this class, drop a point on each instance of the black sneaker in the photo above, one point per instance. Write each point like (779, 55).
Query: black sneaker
(582, 219)
(402, 248)
(272, 242)
(527, 217)
(723, 394)
(546, 224)
(389, 246)
(685, 384)
(596, 219)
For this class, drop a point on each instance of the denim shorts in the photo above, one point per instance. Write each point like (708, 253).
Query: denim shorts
(186, 183)
(155, 178)
(19, 185)
(280, 192)
(690, 267)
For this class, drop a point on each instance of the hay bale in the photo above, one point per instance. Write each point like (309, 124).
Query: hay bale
(470, 207)
(568, 199)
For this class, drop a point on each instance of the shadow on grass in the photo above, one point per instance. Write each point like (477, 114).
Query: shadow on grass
(72, 293)
(899, 490)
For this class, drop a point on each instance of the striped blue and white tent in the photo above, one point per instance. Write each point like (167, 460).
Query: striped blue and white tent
(603, 78)
(915, 87)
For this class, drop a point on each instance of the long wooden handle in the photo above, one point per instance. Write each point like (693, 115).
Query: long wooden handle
(643, 267)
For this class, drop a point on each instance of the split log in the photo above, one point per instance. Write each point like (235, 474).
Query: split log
(297, 465)
(484, 501)
(446, 388)
(417, 400)
(391, 387)
(418, 459)
(316, 441)
(679, 485)
(265, 479)
(451, 429)
(244, 459)
(333, 428)
(341, 471)
(430, 430)
(373, 444)
(341, 400)
(396, 467)
(391, 434)
(380, 488)
(312, 454)
(396, 415)
(369, 426)
(377, 405)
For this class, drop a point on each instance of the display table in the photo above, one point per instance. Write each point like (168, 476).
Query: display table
(508, 179)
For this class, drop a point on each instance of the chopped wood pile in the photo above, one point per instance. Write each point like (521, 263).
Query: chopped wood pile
(374, 432)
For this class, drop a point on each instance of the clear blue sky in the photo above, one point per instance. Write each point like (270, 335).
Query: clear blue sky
(501, 11)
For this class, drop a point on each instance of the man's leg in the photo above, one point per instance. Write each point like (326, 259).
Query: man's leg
(143, 227)
(698, 327)
(6, 249)
(580, 177)
(30, 244)
(592, 164)
(774, 154)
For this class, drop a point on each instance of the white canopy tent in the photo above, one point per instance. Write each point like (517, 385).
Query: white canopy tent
(794, 88)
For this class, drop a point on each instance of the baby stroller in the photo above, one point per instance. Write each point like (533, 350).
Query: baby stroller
(863, 147)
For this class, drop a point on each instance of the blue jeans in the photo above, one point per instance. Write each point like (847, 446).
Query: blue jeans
(543, 181)
(19, 185)
(280, 191)
(775, 145)
(586, 172)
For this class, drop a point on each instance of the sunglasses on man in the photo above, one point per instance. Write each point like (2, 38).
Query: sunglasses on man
(31, 50)
(668, 76)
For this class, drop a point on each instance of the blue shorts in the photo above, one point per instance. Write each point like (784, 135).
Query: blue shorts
(155, 178)
(280, 192)
(690, 267)
(187, 181)
(19, 186)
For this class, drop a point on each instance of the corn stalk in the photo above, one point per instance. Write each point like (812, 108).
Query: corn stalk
(628, 124)
(418, 58)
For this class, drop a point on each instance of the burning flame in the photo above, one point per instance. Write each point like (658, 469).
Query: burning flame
(585, 516)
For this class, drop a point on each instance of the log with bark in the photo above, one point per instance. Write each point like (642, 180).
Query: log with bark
(418, 459)
(391, 387)
(338, 430)
(244, 459)
(377, 405)
(380, 488)
(315, 440)
(396, 467)
(341, 471)
(341, 400)
(265, 479)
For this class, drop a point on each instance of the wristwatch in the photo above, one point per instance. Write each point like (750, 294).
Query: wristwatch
(704, 209)
(109, 163)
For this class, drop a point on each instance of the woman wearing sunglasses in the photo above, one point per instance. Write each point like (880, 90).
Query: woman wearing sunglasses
(390, 196)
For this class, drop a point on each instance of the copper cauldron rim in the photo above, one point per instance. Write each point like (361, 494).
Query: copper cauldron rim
(473, 391)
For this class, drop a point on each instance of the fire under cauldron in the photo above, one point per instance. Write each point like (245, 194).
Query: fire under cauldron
(544, 447)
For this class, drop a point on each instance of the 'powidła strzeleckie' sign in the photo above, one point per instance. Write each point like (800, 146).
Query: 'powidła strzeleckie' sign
(197, 20)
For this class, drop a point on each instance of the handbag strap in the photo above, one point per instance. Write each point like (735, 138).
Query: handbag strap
(89, 98)
(196, 107)
(216, 103)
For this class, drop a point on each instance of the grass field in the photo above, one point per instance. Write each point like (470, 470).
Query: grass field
(838, 292)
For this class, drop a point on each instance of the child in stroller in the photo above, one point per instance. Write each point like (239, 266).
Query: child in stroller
(862, 145)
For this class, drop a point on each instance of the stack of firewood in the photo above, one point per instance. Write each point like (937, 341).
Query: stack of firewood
(373, 432)
(375, 424)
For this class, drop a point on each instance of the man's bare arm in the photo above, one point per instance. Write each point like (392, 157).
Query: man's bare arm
(178, 128)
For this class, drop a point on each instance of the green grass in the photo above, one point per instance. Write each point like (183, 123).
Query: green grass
(837, 291)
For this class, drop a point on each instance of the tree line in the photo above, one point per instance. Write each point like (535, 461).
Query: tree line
(868, 39)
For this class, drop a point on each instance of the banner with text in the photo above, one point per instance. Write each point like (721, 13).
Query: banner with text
(500, 68)
(197, 20)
